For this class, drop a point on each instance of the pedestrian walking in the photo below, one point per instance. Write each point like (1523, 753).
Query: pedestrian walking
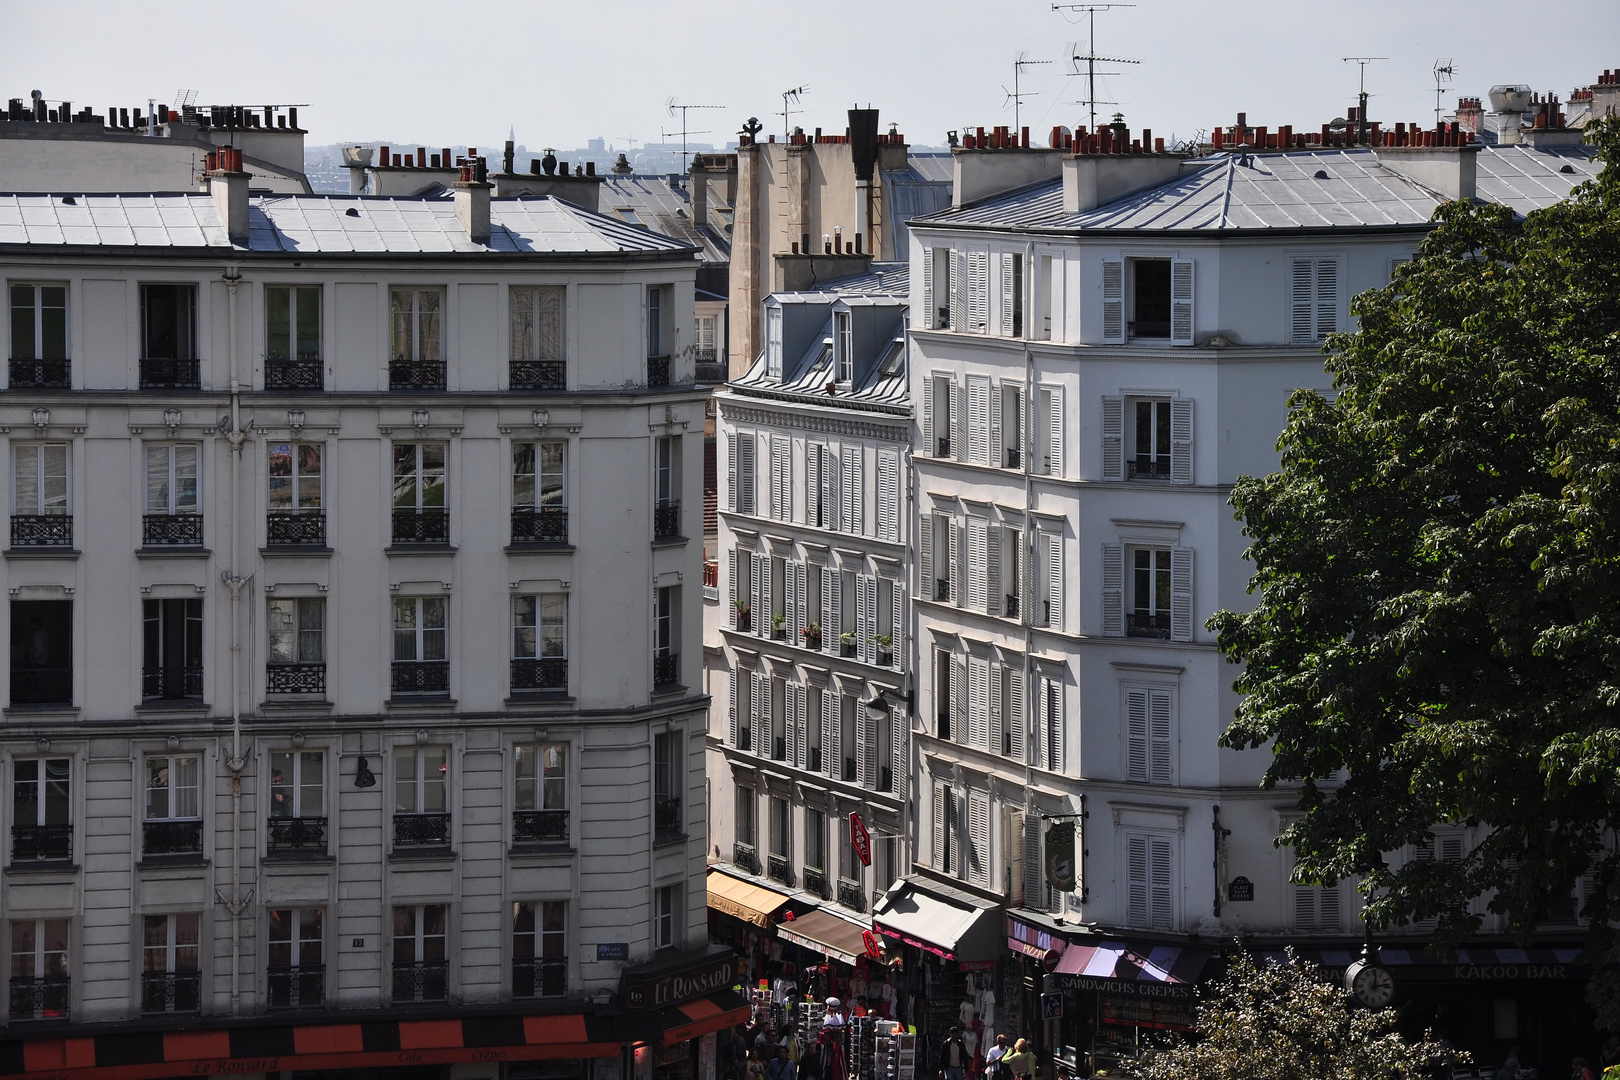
(1021, 1061)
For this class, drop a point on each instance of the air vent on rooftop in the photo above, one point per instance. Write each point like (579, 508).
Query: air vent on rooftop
(1322, 174)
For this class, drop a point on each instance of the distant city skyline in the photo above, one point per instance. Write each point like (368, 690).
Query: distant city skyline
(564, 74)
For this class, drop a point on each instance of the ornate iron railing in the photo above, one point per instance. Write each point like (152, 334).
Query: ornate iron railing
(779, 869)
(1015, 458)
(172, 684)
(666, 669)
(667, 819)
(421, 526)
(171, 837)
(658, 371)
(943, 444)
(40, 999)
(544, 673)
(171, 374)
(41, 843)
(416, 374)
(39, 374)
(851, 895)
(743, 855)
(172, 530)
(170, 991)
(1138, 624)
(421, 830)
(41, 686)
(666, 521)
(295, 528)
(301, 835)
(420, 676)
(294, 375)
(816, 881)
(539, 977)
(1142, 468)
(539, 375)
(540, 525)
(302, 987)
(295, 679)
(1010, 607)
(706, 356)
(41, 530)
(942, 588)
(539, 826)
(421, 981)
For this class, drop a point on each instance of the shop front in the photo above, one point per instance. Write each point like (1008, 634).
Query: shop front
(677, 1006)
(743, 917)
(1111, 997)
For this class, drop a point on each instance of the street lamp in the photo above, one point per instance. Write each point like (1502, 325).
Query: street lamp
(883, 700)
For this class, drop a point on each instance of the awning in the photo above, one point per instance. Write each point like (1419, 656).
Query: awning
(693, 1018)
(1133, 963)
(940, 920)
(825, 933)
(747, 901)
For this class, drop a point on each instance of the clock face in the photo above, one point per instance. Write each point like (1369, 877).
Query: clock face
(1373, 986)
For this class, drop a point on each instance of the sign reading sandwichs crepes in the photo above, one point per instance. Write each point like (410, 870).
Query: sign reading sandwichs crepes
(661, 988)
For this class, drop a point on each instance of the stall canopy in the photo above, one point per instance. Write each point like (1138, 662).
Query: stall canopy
(940, 920)
(748, 902)
(825, 933)
(693, 1018)
(1133, 963)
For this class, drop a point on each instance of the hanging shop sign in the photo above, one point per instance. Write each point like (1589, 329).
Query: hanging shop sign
(860, 838)
(874, 948)
(661, 988)
(1060, 856)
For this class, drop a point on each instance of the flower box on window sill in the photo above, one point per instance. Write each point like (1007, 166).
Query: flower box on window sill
(847, 649)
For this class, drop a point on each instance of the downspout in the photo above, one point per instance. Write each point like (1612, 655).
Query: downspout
(1031, 397)
(237, 904)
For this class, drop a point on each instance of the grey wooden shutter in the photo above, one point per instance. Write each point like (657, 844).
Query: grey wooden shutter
(939, 827)
(848, 514)
(898, 632)
(732, 494)
(1054, 581)
(1033, 883)
(959, 449)
(978, 860)
(812, 484)
(928, 288)
(1136, 735)
(1181, 441)
(1181, 302)
(959, 696)
(863, 749)
(831, 732)
(757, 603)
(731, 713)
(1113, 433)
(992, 570)
(997, 457)
(1327, 297)
(1181, 585)
(1159, 716)
(978, 703)
(830, 489)
(977, 597)
(954, 586)
(791, 703)
(759, 732)
(1159, 851)
(979, 292)
(1013, 716)
(1138, 908)
(832, 603)
(888, 496)
(1301, 302)
(1113, 590)
(1032, 580)
(978, 419)
(1043, 752)
(928, 447)
(996, 738)
(1007, 294)
(801, 591)
(746, 474)
(762, 577)
(1113, 301)
(1054, 430)
(956, 291)
(790, 601)
(731, 583)
(863, 618)
(1052, 694)
(900, 753)
(781, 480)
(925, 557)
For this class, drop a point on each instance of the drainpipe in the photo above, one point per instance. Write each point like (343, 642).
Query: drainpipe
(233, 578)
(1031, 400)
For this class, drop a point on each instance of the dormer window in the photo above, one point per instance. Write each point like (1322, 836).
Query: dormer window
(843, 346)
(773, 342)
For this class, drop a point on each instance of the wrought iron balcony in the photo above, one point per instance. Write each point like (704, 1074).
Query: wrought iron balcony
(779, 869)
(534, 977)
(295, 528)
(40, 999)
(1142, 468)
(1015, 458)
(171, 374)
(742, 855)
(1142, 624)
(41, 530)
(942, 588)
(172, 684)
(745, 738)
(1010, 606)
(431, 526)
(41, 843)
(667, 818)
(658, 371)
(778, 748)
(41, 686)
(421, 981)
(540, 827)
(295, 836)
(540, 525)
(420, 676)
(545, 673)
(39, 374)
(667, 669)
(422, 830)
(172, 530)
(416, 374)
(294, 375)
(814, 761)
(539, 375)
(171, 837)
(816, 881)
(706, 356)
(851, 895)
(302, 987)
(666, 521)
(170, 991)
(295, 679)
(943, 446)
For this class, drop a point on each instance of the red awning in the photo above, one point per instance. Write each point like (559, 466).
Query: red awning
(725, 1009)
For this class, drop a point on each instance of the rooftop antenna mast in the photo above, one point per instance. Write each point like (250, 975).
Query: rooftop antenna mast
(672, 105)
(1091, 57)
(792, 96)
(1020, 62)
(1361, 105)
(1443, 71)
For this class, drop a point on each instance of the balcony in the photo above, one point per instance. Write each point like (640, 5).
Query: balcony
(815, 759)
(40, 999)
(41, 686)
(39, 374)
(420, 676)
(1010, 606)
(816, 881)
(666, 670)
(778, 748)
(42, 530)
(667, 521)
(295, 836)
(778, 869)
(418, 375)
(852, 896)
(41, 843)
(667, 820)
(172, 530)
(534, 977)
(745, 738)
(539, 375)
(657, 371)
(1015, 459)
(742, 855)
(943, 447)
(1143, 468)
(540, 525)
(545, 673)
(171, 374)
(1145, 625)
(302, 987)
(942, 589)
(421, 981)
(422, 527)
(295, 528)
(421, 830)
(303, 679)
(294, 375)
(170, 991)
(540, 827)
(171, 837)
(172, 684)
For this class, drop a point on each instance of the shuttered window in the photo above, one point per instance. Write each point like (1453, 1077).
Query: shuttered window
(852, 503)
(1316, 907)
(1148, 885)
(741, 467)
(978, 703)
(781, 480)
(1313, 299)
(1113, 302)
(1013, 720)
(978, 283)
(978, 421)
(1149, 716)
(1049, 432)
(978, 847)
(1181, 302)
(888, 496)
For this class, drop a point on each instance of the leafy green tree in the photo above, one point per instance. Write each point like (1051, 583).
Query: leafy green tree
(1438, 567)
(1284, 1021)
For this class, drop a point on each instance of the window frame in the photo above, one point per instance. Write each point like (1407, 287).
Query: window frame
(1133, 264)
(666, 613)
(300, 762)
(295, 477)
(773, 341)
(173, 945)
(541, 937)
(1159, 579)
(37, 308)
(419, 936)
(548, 485)
(42, 506)
(531, 351)
(659, 309)
(1161, 440)
(420, 476)
(557, 621)
(781, 827)
(844, 347)
(666, 910)
(744, 820)
(547, 782)
(667, 471)
(174, 505)
(1151, 883)
(43, 784)
(44, 961)
(418, 606)
(186, 290)
(414, 331)
(294, 355)
(158, 645)
(419, 782)
(298, 941)
(171, 789)
(300, 634)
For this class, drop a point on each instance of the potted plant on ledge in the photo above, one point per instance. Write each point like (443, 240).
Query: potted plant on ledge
(812, 636)
(847, 642)
(745, 619)
(779, 627)
(885, 650)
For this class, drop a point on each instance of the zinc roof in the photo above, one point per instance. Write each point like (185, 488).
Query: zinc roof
(1526, 178)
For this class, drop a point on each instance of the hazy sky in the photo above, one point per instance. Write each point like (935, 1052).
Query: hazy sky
(563, 71)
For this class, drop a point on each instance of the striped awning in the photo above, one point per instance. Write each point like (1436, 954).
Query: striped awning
(1133, 963)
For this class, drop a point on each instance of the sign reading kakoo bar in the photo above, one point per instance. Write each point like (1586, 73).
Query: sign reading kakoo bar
(660, 989)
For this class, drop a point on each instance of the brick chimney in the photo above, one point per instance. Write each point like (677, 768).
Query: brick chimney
(471, 194)
(228, 184)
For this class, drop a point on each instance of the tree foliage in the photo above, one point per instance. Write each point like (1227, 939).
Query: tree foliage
(1438, 567)
(1284, 1021)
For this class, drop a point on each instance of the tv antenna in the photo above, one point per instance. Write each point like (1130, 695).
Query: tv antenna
(1443, 71)
(1020, 62)
(183, 99)
(791, 96)
(1091, 57)
(1361, 105)
(672, 105)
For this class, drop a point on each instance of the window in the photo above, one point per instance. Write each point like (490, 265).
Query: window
(1049, 722)
(852, 505)
(39, 335)
(420, 965)
(781, 480)
(847, 703)
(172, 789)
(745, 816)
(172, 647)
(295, 967)
(40, 973)
(815, 840)
(660, 334)
(540, 800)
(944, 695)
(168, 337)
(843, 346)
(666, 917)
(937, 562)
(1011, 681)
(937, 268)
(173, 514)
(742, 471)
(1313, 300)
(820, 486)
(666, 637)
(1012, 295)
(1148, 888)
(773, 342)
(1149, 440)
(539, 948)
(40, 508)
(669, 774)
(540, 642)
(667, 487)
(421, 797)
(421, 663)
(539, 492)
(419, 486)
(170, 980)
(1149, 716)
(296, 514)
(1149, 614)
(41, 810)
(1012, 570)
(781, 828)
(708, 341)
(297, 823)
(1150, 312)
(1044, 289)
(888, 496)
(947, 856)
(938, 415)
(297, 660)
(416, 352)
(1147, 592)
(978, 420)
(978, 292)
(778, 719)
(812, 702)
(292, 351)
(1049, 432)
(1316, 907)
(1012, 426)
(880, 735)
(42, 652)
(537, 338)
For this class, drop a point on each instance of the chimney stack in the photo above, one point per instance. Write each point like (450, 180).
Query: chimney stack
(228, 184)
(471, 194)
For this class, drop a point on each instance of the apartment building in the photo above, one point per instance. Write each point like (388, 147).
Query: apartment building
(354, 667)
